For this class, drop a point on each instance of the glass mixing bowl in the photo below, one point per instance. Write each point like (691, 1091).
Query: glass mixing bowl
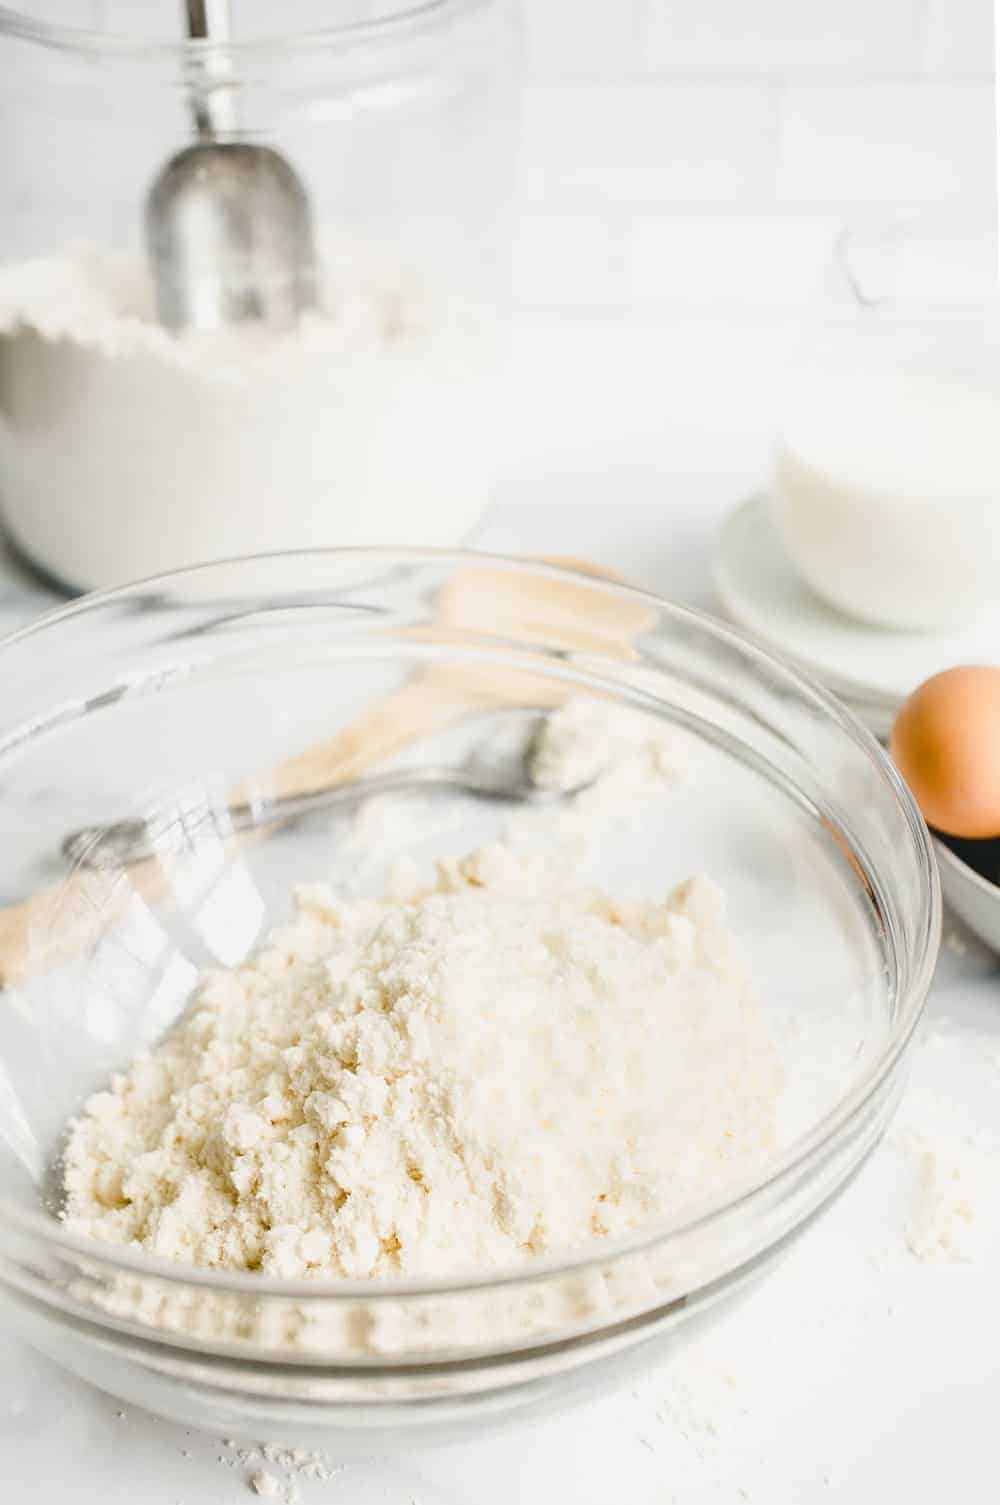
(171, 700)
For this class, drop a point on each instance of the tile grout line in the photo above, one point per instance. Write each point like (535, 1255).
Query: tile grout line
(775, 96)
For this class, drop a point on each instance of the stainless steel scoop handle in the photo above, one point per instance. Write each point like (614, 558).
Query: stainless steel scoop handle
(228, 224)
(214, 110)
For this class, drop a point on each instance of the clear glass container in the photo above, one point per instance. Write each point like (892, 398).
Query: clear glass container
(270, 675)
(886, 485)
(123, 450)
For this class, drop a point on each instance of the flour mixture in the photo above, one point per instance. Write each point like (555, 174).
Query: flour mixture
(481, 1065)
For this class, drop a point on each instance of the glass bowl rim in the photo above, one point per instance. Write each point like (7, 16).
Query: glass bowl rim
(800, 1157)
(409, 17)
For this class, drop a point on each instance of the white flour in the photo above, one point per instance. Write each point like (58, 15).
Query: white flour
(297, 1464)
(451, 1077)
(265, 1484)
(951, 1167)
(125, 451)
(950, 1179)
(465, 1072)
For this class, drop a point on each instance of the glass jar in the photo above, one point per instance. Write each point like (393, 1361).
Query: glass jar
(125, 449)
(886, 485)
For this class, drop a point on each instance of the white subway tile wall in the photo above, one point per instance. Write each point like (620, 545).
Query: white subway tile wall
(779, 38)
(913, 143)
(645, 143)
(705, 152)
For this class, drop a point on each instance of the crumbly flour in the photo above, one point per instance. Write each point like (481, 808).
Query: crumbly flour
(476, 1067)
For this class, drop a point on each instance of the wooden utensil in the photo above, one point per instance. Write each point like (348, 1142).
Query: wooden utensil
(59, 923)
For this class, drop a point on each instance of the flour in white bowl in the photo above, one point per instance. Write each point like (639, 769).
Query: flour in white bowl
(479, 1066)
(125, 451)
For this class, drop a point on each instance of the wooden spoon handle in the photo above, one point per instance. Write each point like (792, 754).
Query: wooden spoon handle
(58, 923)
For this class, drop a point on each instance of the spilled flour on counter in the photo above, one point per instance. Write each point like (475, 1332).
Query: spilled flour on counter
(951, 1166)
(296, 1463)
(490, 1063)
(268, 1486)
(950, 1181)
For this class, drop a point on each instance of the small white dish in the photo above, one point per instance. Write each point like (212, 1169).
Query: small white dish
(872, 669)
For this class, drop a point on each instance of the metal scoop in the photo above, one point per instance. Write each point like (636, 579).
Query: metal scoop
(228, 227)
(495, 773)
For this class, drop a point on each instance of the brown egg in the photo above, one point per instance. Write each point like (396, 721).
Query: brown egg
(946, 744)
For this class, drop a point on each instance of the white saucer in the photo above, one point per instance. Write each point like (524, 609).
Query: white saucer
(872, 669)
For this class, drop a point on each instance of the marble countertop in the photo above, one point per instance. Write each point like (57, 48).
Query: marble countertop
(857, 1372)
